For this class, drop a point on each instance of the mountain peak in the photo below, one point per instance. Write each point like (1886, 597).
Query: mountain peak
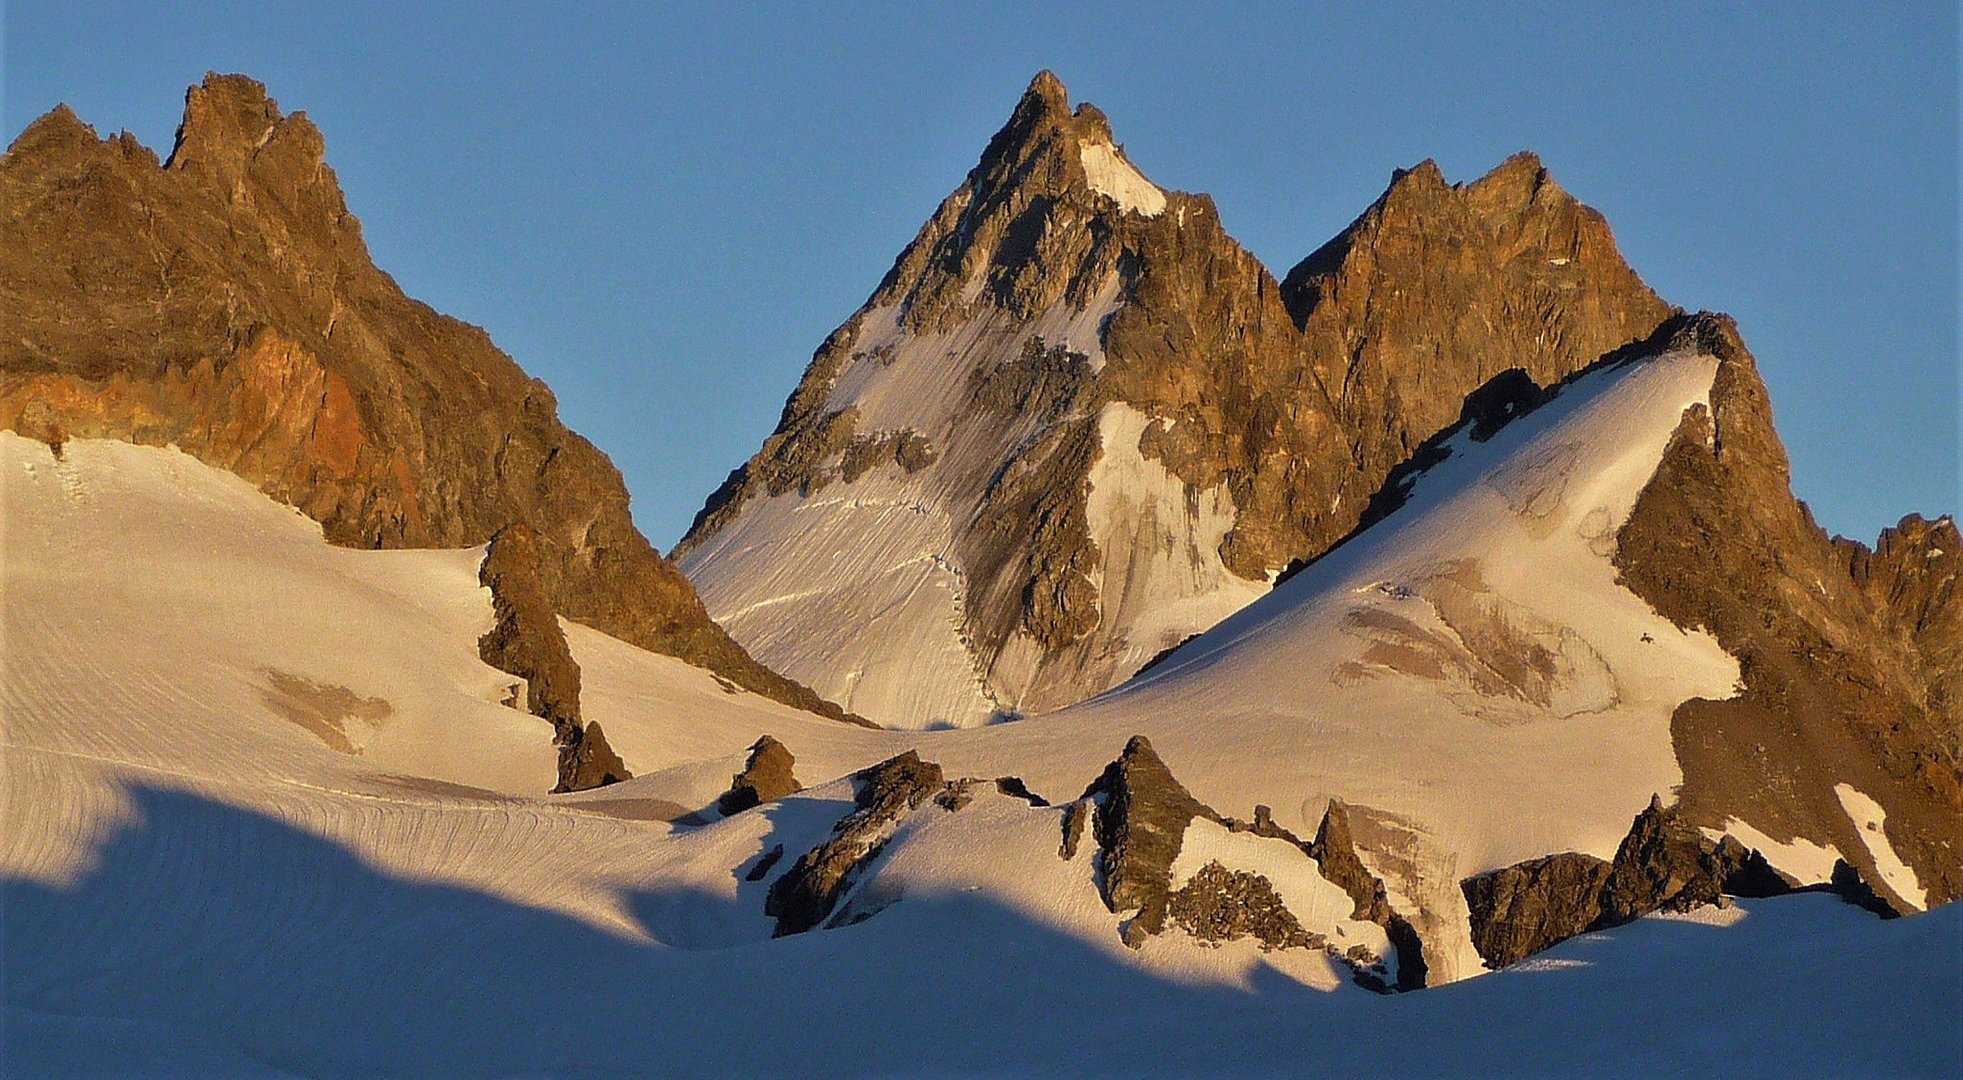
(231, 124)
(226, 118)
(1048, 148)
(1046, 93)
(269, 344)
(57, 127)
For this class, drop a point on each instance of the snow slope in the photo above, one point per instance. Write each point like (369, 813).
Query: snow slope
(1453, 771)
(1109, 173)
(211, 940)
(221, 854)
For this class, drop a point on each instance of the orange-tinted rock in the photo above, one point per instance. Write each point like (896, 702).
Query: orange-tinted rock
(225, 302)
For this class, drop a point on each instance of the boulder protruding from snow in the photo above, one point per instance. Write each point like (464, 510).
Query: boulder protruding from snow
(766, 777)
(1142, 814)
(586, 761)
(885, 794)
(1663, 863)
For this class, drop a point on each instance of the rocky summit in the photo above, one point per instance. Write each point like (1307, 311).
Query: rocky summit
(1442, 606)
(1078, 423)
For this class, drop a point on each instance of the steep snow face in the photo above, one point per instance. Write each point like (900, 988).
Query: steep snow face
(859, 588)
(1110, 174)
(856, 589)
(1162, 575)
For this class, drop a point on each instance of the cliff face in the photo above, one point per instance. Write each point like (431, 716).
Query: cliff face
(224, 301)
(1912, 576)
(1835, 707)
(1120, 424)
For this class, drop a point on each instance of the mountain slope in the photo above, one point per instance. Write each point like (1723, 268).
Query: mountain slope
(1836, 697)
(224, 302)
(1078, 423)
(199, 876)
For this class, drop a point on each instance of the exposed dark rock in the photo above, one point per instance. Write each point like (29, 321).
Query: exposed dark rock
(1521, 909)
(1502, 399)
(1013, 787)
(586, 761)
(908, 449)
(884, 794)
(1334, 850)
(1264, 825)
(957, 794)
(526, 639)
(1848, 884)
(765, 863)
(766, 777)
(1074, 817)
(1142, 815)
(1665, 863)
(1662, 864)
(1835, 689)
(224, 302)
(1219, 904)
(1914, 576)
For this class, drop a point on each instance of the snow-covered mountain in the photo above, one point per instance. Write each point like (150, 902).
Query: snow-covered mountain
(1565, 682)
(1077, 423)
(223, 301)
(244, 836)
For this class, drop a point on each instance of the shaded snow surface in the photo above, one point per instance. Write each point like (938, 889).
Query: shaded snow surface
(243, 836)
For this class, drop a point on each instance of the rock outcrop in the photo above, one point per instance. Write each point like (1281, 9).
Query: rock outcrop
(1836, 695)
(527, 641)
(884, 794)
(1519, 910)
(1139, 816)
(1912, 576)
(1139, 421)
(1334, 850)
(766, 777)
(586, 761)
(223, 301)
(1142, 812)
(1666, 863)
(1662, 864)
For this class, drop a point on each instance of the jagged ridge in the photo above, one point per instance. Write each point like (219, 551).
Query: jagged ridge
(224, 301)
(1198, 427)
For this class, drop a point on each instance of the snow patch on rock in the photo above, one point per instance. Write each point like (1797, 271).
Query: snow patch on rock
(1110, 174)
(1806, 862)
(1163, 580)
(1870, 821)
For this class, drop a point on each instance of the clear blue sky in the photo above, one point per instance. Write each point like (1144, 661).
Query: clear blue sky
(662, 211)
